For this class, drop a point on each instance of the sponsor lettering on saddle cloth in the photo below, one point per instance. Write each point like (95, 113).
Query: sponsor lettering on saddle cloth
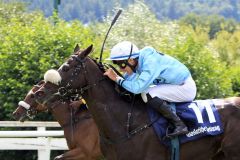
(200, 116)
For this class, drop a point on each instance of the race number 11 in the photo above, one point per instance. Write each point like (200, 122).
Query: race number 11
(198, 113)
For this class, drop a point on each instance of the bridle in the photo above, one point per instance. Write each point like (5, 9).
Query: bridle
(66, 90)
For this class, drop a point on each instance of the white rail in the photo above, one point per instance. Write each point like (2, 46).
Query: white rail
(41, 139)
(14, 134)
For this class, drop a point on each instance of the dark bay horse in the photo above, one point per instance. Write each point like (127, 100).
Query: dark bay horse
(139, 142)
(79, 128)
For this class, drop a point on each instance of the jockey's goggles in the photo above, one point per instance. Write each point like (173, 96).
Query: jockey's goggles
(121, 63)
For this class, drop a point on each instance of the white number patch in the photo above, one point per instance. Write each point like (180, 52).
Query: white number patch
(198, 113)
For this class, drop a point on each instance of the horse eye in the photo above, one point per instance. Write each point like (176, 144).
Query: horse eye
(65, 67)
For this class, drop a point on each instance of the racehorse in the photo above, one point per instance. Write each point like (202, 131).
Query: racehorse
(79, 128)
(83, 75)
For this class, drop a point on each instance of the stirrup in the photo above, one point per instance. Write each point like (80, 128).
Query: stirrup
(178, 133)
(169, 128)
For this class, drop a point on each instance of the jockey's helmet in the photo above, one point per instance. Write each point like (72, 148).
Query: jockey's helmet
(123, 51)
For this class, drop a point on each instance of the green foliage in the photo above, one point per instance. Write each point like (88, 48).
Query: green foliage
(29, 47)
(21, 155)
(234, 73)
(227, 47)
(212, 24)
(12, 10)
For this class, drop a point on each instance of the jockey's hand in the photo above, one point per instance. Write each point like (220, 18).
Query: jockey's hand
(76, 104)
(111, 74)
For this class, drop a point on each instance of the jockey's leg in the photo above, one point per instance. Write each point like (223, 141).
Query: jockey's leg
(165, 110)
(185, 92)
(158, 95)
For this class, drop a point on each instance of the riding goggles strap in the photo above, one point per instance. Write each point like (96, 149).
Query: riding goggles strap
(133, 67)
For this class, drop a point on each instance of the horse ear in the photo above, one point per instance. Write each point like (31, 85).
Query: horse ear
(86, 52)
(77, 48)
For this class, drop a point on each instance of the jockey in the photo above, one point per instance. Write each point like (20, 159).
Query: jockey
(157, 76)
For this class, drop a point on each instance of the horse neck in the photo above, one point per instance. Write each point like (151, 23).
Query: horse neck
(61, 113)
(108, 108)
(64, 114)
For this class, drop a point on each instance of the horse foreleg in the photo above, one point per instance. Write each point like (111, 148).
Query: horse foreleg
(73, 154)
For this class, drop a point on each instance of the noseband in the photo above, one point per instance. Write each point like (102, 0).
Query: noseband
(30, 112)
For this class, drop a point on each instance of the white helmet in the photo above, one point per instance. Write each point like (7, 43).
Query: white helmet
(122, 51)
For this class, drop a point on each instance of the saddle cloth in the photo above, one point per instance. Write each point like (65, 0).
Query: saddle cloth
(200, 116)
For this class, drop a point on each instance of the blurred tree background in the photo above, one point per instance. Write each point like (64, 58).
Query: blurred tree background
(95, 10)
(33, 41)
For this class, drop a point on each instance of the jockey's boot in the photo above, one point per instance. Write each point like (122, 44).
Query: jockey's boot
(164, 109)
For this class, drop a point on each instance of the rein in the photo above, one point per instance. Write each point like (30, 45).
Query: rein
(69, 92)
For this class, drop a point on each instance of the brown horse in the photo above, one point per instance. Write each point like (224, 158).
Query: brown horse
(137, 142)
(79, 128)
(81, 74)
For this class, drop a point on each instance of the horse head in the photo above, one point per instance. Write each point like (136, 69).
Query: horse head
(28, 107)
(73, 71)
(79, 73)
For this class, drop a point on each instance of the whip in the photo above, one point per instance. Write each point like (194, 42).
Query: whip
(113, 22)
